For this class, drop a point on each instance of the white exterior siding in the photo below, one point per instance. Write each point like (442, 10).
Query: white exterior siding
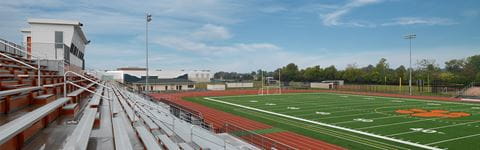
(42, 33)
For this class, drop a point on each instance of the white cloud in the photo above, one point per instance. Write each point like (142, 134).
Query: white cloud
(334, 18)
(212, 32)
(419, 20)
(201, 39)
(205, 48)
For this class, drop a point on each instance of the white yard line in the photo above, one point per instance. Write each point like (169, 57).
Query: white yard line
(408, 99)
(435, 128)
(323, 104)
(345, 106)
(458, 138)
(328, 125)
(405, 122)
(393, 116)
(337, 116)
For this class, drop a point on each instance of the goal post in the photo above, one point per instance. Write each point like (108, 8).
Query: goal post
(270, 86)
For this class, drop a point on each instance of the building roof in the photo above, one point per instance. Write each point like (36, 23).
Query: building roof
(77, 25)
(54, 21)
(165, 81)
(132, 68)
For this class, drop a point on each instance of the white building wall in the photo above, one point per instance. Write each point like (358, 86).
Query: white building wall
(172, 87)
(240, 85)
(43, 40)
(321, 85)
(216, 87)
(200, 75)
(42, 33)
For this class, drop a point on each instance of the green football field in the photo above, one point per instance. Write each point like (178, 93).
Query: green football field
(361, 122)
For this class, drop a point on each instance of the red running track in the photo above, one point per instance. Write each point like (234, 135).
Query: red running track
(303, 142)
(219, 118)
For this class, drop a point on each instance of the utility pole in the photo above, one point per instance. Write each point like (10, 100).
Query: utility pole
(410, 37)
(148, 19)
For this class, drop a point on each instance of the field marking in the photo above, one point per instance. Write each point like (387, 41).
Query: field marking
(401, 133)
(328, 125)
(375, 110)
(341, 116)
(350, 105)
(326, 101)
(379, 118)
(345, 106)
(353, 95)
(336, 134)
(391, 124)
(369, 110)
(458, 138)
(356, 95)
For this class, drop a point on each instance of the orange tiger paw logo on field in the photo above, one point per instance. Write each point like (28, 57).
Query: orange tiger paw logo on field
(433, 113)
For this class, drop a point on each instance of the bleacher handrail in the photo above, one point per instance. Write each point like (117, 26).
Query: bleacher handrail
(79, 75)
(86, 89)
(253, 133)
(140, 103)
(23, 63)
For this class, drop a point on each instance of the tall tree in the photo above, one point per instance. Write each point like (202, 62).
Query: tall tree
(352, 73)
(290, 72)
(455, 65)
(401, 73)
(428, 69)
(472, 68)
(313, 74)
(381, 71)
(330, 72)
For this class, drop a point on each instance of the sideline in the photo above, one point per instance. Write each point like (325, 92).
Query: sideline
(328, 125)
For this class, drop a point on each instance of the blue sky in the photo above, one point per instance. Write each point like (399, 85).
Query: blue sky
(246, 35)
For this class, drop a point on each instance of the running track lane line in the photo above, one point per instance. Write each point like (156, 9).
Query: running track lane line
(328, 125)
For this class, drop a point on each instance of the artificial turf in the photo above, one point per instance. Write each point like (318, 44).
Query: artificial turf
(375, 115)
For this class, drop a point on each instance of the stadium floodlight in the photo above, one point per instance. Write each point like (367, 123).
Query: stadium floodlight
(148, 19)
(410, 37)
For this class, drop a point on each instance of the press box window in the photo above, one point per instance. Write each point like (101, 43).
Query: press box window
(58, 39)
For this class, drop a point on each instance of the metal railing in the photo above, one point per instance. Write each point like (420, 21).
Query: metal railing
(9, 49)
(39, 83)
(255, 138)
(69, 82)
(152, 116)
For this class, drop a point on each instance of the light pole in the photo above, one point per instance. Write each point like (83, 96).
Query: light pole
(148, 19)
(410, 37)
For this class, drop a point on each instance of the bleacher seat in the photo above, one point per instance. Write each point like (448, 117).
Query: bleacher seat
(44, 99)
(70, 109)
(167, 142)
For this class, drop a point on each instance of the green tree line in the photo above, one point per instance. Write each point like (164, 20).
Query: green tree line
(456, 71)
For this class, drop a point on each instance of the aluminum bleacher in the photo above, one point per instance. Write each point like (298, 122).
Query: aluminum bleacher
(17, 126)
(30, 101)
(177, 133)
(79, 138)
